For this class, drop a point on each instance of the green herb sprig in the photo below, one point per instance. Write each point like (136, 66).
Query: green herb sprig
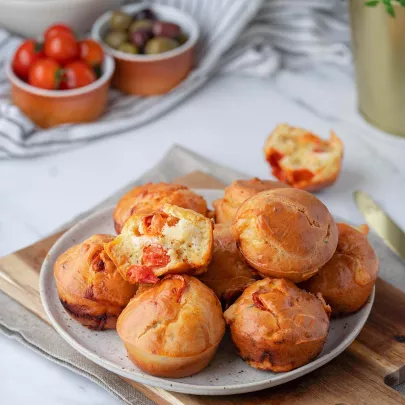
(388, 4)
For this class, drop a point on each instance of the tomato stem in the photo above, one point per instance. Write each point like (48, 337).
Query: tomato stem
(38, 46)
(59, 77)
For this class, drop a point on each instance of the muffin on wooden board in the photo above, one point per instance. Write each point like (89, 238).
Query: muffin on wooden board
(172, 329)
(285, 233)
(276, 326)
(151, 197)
(347, 279)
(237, 193)
(228, 273)
(302, 159)
(173, 240)
(89, 285)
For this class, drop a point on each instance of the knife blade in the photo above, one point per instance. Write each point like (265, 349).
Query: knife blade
(381, 222)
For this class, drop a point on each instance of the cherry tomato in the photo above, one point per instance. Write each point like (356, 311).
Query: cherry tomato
(45, 73)
(55, 30)
(77, 74)
(141, 274)
(29, 52)
(91, 52)
(62, 47)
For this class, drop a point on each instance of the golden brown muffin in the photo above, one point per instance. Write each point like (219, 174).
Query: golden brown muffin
(285, 233)
(276, 326)
(89, 285)
(346, 280)
(237, 193)
(151, 197)
(300, 158)
(174, 328)
(173, 240)
(228, 273)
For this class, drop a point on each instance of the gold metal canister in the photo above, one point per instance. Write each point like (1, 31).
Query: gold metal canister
(378, 41)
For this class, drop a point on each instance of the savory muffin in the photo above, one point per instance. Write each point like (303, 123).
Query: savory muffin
(300, 158)
(276, 326)
(172, 329)
(173, 240)
(237, 193)
(285, 233)
(151, 197)
(347, 279)
(89, 285)
(228, 274)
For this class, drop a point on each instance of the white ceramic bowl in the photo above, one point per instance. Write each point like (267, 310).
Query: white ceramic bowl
(227, 373)
(30, 18)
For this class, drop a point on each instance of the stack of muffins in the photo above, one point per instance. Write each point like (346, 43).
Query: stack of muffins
(270, 262)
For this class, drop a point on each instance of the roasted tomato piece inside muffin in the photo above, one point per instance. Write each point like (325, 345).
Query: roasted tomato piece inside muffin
(300, 158)
(172, 240)
(151, 197)
(347, 279)
(276, 326)
(89, 285)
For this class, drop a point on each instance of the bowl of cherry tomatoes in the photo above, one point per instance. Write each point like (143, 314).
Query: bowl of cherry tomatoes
(60, 79)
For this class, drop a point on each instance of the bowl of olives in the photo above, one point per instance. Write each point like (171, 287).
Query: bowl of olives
(153, 46)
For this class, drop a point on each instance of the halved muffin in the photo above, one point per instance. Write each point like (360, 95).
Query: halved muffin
(302, 159)
(89, 285)
(172, 240)
(151, 197)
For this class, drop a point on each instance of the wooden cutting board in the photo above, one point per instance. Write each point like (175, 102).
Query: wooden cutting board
(362, 375)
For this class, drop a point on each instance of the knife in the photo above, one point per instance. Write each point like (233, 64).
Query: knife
(381, 222)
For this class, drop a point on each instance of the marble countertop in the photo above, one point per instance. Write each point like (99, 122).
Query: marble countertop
(227, 121)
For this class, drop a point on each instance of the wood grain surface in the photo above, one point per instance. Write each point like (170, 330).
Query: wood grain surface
(362, 375)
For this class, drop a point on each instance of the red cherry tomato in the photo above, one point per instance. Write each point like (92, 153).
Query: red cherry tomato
(63, 48)
(27, 53)
(55, 30)
(77, 74)
(141, 274)
(155, 256)
(45, 73)
(91, 52)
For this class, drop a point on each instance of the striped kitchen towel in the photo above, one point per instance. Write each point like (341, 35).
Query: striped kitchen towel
(250, 37)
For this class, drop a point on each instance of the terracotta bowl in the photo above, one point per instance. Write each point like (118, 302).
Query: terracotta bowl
(147, 75)
(48, 108)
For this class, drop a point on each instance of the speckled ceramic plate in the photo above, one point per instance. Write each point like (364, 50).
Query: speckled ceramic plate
(227, 373)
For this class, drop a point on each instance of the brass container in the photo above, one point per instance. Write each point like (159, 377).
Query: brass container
(378, 42)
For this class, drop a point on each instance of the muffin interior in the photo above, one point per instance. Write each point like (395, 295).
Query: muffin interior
(151, 245)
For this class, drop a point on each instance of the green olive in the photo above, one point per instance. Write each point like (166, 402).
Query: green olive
(120, 20)
(115, 38)
(127, 47)
(182, 38)
(159, 45)
(141, 25)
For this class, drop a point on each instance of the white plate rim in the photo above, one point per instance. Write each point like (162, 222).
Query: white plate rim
(177, 386)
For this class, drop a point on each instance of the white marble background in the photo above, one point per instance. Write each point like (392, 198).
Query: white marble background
(227, 121)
